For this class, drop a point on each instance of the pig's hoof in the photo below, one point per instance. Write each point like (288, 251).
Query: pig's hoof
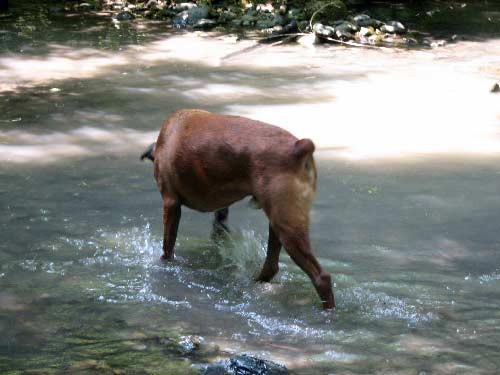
(167, 258)
(329, 305)
(262, 279)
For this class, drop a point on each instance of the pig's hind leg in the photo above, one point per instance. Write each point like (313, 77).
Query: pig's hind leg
(271, 266)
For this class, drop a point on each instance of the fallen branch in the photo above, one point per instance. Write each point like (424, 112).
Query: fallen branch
(291, 37)
(353, 44)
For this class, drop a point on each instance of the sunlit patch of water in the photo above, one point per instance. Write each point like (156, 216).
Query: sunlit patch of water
(378, 305)
(491, 277)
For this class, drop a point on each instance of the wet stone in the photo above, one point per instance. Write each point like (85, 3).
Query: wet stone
(242, 364)
(495, 88)
(323, 31)
(346, 27)
(393, 27)
(343, 35)
(247, 365)
(366, 31)
(364, 20)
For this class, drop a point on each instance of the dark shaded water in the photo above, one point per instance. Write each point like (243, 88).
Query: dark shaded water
(406, 215)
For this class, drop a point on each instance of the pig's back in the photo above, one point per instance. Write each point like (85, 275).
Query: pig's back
(216, 157)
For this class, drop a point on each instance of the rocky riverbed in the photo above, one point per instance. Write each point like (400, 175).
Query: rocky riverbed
(330, 21)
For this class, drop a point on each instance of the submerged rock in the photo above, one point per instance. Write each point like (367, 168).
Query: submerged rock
(243, 364)
(247, 365)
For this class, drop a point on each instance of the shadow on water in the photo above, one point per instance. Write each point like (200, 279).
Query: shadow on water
(34, 27)
(123, 108)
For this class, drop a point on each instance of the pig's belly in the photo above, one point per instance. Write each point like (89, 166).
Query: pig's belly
(212, 199)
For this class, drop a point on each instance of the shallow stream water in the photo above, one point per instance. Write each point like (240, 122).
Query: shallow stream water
(406, 216)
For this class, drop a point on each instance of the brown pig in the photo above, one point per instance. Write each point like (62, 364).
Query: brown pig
(208, 161)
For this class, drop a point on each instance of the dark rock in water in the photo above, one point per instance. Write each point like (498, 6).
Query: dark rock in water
(323, 31)
(243, 364)
(216, 369)
(495, 88)
(125, 16)
(247, 365)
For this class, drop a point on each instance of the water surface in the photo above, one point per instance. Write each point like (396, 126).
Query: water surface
(406, 214)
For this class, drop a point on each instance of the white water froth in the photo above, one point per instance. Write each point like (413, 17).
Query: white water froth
(128, 270)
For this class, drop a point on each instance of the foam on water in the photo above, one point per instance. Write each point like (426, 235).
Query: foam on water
(127, 269)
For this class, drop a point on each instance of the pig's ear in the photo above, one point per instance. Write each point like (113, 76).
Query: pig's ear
(302, 148)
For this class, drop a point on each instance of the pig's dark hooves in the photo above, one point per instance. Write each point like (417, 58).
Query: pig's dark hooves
(328, 307)
(261, 280)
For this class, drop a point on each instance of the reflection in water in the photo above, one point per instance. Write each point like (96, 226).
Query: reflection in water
(411, 240)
